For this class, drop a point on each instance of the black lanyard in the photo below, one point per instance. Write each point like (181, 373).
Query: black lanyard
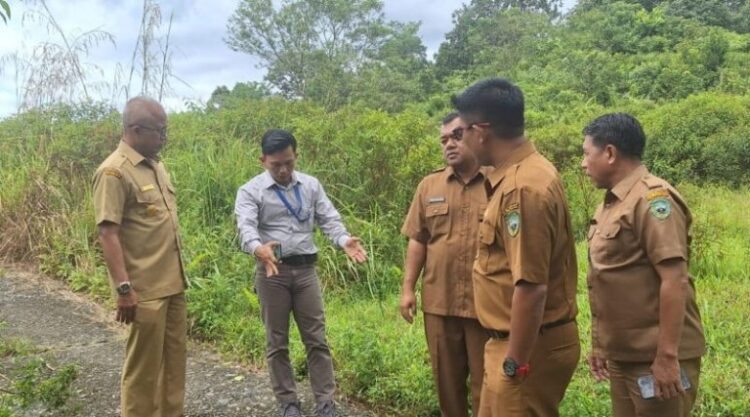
(288, 205)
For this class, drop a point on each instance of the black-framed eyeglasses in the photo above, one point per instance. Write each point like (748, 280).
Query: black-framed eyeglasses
(162, 131)
(457, 134)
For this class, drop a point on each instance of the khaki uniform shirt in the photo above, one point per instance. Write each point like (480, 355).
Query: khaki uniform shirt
(643, 221)
(445, 215)
(137, 194)
(526, 235)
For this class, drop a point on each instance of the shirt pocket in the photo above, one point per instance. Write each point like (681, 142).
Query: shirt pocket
(149, 205)
(605, 243)
(486, 240)
(437, 219)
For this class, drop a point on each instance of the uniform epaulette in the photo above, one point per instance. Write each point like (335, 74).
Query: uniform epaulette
(653, 182)
(656, 188)
(111, 171)
(438, 170)
(511, 181)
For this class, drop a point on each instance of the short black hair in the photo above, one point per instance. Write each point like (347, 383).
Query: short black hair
(450, 117)
(275, 140)
(496, 101)
(620, 130)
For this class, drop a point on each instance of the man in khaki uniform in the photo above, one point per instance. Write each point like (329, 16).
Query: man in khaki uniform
(645, 321)
(442, 227)
(136, 212)
(525, 269)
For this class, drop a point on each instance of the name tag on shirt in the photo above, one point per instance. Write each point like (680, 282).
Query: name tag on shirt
(434, 200)
(147, 187)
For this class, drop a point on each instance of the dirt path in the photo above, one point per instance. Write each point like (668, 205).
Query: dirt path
(72, 329)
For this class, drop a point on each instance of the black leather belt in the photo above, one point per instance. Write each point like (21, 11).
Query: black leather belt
(554, 324)
(300, 260)
(499, 334)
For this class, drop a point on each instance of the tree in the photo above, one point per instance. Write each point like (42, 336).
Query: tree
(585, 5)
(458, 51)
(222, 97)
(316, 49)
(730, 14)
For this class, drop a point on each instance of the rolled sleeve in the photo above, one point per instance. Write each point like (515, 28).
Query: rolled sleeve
(246, 212)
(109, 196)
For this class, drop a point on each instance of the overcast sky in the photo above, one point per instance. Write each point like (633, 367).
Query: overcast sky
(201, 58)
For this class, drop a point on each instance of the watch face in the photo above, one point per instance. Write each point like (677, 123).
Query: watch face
(123, 289)
(509, 367)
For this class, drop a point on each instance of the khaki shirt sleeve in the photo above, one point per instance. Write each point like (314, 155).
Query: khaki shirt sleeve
(109, 195)
(662, 225)
(414, 225)
(529, 248)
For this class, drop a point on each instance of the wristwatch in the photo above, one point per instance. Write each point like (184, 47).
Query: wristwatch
(511, 368)
(124, 288)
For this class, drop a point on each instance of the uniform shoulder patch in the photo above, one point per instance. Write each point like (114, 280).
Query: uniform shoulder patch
(660, 207)
(512, 218)
(512, 207)
(659, 193)
(113, 172)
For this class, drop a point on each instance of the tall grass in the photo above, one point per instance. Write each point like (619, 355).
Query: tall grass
(370, 163)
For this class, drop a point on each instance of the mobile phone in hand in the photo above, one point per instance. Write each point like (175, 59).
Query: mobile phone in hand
(277, 252)
(646, 384)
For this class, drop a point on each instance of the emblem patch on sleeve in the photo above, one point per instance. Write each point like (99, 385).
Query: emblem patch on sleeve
(660, 208)
(513, 222)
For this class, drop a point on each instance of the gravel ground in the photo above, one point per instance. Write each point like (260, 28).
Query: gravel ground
(71, 329)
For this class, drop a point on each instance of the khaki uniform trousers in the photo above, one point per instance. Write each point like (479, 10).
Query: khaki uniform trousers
(153, 376)
(553, 362)
(295, 290)
(626, 395)
(456, 346)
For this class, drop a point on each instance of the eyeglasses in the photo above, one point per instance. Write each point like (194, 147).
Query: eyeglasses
(162, 131)
(457, 134)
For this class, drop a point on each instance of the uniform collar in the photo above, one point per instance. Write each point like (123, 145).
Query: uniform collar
(518, 155)
(622, 188)
(133, 156)
(267, 181)
(450, 174)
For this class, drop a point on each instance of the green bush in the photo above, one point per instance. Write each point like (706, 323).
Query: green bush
(370, 163)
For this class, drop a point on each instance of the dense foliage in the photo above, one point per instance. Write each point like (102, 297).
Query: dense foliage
(686, 78)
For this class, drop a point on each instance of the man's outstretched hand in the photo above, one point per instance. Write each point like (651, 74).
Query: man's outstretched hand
(355, 251)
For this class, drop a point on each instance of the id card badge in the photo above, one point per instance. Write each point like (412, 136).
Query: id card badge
(646, 384)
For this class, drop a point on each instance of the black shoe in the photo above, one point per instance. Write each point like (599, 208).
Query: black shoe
(326, 409)
(290, 410)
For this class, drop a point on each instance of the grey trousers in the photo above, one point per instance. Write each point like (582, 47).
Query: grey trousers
(295, 290)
